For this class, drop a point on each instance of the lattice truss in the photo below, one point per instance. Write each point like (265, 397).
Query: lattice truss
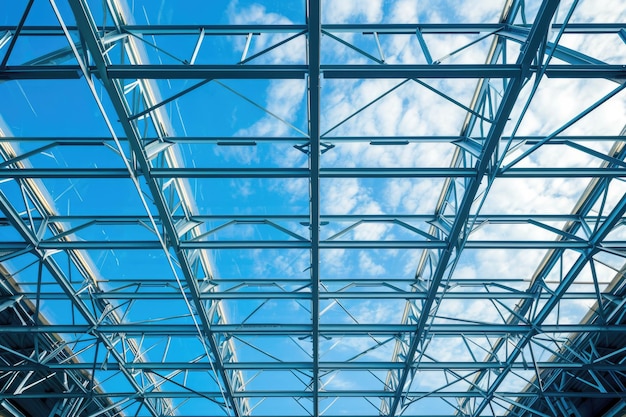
(238, 208)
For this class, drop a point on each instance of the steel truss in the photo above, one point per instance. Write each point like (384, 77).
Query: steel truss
(91, 327)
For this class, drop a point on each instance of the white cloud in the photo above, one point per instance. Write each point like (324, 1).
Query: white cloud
(292, 52)
(341, 11)
(295, 191)
(345, 195)
(276, 263)
(377, 312)
(479, 310)
(447, 349)
(244, 155)
(606, 11)
(369, 266)
(253, 13)
(410, 109)
(242, 188)
(608, 48)
(411, 196)
(284, 98)
(479, 11)
(333, 262)
(553, 107)
(404, 11)
(413, 110)
(536, 196)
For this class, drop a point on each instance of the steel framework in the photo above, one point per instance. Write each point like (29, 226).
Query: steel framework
(440, 228)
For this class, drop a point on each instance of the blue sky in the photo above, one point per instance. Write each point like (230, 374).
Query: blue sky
(259, 108)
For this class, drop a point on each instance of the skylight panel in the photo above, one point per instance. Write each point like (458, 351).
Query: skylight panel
(311, 208)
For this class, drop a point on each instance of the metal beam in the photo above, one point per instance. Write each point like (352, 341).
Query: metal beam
(616, 215)
(445, 28)
(285, 72)
(57, 273)
(492, 218)
(323, 366)
(306, 295)
(217, 173)
(283, 329)
(89, 33)
(112, 49)
(314, 22)
(223, 72)
(324, 244)
(372, 139)
(309, 394)
(509, 98)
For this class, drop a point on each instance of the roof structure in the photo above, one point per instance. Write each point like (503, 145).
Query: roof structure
(312, 208)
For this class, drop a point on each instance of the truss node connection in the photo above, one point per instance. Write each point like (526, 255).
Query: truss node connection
(313, 208)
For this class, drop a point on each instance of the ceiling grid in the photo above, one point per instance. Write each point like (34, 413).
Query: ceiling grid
(312, 208)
